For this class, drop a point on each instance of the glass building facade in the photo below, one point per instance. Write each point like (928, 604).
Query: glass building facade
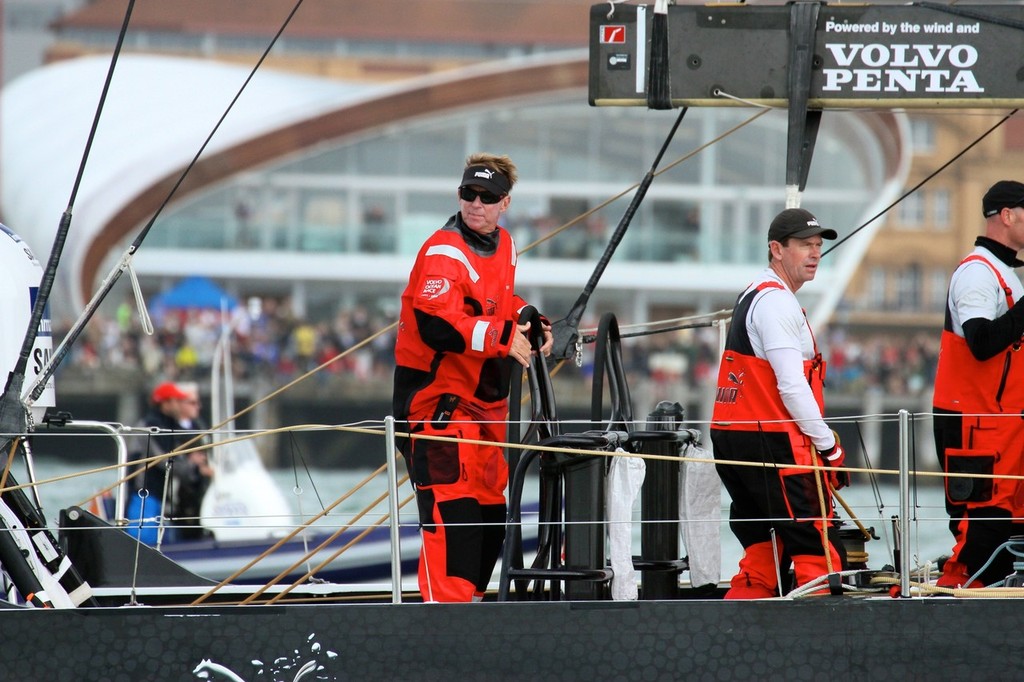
(382, 193)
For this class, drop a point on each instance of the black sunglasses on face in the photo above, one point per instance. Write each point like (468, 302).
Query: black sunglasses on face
(469, 194)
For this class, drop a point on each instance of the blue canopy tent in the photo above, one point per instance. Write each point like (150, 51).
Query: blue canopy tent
(194, 292)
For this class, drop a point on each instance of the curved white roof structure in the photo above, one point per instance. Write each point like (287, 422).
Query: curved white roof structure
(157, 114)
(161, 109)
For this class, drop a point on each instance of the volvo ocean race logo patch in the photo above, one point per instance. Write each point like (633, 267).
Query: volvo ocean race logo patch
(435, 287)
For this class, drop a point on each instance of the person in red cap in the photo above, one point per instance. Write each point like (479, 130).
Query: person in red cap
(146, 503)
(768, 410)
(979, 395)
(166, 392)
(192, 472)
(457, 345)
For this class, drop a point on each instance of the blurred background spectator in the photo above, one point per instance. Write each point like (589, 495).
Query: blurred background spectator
(269, 341)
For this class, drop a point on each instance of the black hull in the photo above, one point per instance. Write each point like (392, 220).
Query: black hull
(819, 638)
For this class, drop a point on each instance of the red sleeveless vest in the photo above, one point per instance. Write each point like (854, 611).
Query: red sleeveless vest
(970, 386)
(747, 395)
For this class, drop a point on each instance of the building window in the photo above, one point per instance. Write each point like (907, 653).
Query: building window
(911, 210)
(940, 204)
(876, 288)
(908, 288)
(938, 288)
(922, 135)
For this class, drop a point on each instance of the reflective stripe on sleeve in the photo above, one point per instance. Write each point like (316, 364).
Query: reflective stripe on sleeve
(479, 335)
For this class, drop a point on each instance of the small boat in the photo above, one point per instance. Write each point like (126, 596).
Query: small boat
(252, 534)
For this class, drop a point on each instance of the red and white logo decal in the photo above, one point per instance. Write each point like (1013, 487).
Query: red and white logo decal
(613, 33)
(435, 287)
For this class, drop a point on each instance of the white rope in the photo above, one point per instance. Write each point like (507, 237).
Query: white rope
(709, 317)
(140, 301)
(611, 7)
(722, 93)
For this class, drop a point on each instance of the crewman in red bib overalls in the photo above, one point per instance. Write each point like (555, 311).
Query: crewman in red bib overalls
(768, 410)
(979, 395)
(458, 343)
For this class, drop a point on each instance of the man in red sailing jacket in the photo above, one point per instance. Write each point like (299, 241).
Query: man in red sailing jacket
(458, 343)
(768, 412)
(979, 395)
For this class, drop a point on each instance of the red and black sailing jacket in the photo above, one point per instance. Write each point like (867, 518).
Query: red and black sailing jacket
(458, 315)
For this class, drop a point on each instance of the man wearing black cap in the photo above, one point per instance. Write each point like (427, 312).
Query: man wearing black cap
(979, 395)
(768, 410)
(458, 343)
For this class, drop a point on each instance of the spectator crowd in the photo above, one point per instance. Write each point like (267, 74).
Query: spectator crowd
(269, 340)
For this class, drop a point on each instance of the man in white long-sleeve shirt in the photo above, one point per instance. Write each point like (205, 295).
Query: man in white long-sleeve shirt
(979, 396)
(768, 410)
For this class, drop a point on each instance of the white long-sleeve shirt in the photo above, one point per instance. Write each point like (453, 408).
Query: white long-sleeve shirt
(779, 333)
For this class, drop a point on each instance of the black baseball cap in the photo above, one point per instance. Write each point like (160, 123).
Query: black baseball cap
(799, 223)
(488, 178)
(1003, 194)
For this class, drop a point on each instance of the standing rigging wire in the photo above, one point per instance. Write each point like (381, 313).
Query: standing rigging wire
(765, 110)
(13, 413)
(125, 261)
(566, 330)
(29, 553)
(927, 179)
(660, 24)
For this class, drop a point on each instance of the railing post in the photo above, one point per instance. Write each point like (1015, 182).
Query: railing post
(396, 548)
(904, 521)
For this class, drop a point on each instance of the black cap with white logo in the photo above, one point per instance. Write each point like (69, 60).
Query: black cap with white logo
(482, 176)
(799, 223)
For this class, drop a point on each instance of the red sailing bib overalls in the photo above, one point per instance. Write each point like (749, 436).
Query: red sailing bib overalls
(990, 396)
(751, 423)
(747, 395)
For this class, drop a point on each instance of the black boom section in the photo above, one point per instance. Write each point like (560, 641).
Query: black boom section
(868, 56)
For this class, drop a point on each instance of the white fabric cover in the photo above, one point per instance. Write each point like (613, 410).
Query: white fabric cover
(700, 515)
(625, 477)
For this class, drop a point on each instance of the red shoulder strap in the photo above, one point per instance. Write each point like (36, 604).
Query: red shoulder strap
(1002, 282)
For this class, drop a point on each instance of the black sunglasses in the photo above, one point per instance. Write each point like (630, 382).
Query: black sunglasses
(470, 194)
